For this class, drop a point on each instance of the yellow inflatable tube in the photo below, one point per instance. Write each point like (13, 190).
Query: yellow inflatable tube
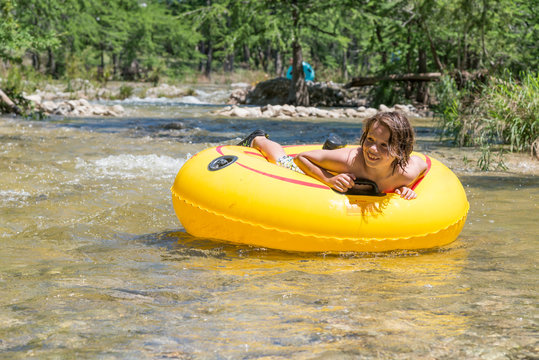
(233, 193)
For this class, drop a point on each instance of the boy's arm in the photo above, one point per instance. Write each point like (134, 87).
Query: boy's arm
(322, 164)
(415, 168)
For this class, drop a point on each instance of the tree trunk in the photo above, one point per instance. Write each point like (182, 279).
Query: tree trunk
(483, 56)
(435, 57)
(380, 40)
(262, 58)
(101, 67)
(201, 49)
(409, 85)
(51, 63)
(421, 94)
(228, 65)
(465, 51)
(298, 94)
(11, 105)
(114, 65)
(230, 60)
(267, 56)
(209, 59)
(246, 56)
(459, 53)
(278, 63)
(345, 64)
(36, 61)
(355, 56)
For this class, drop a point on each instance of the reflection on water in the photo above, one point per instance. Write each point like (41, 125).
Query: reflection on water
(95, 265)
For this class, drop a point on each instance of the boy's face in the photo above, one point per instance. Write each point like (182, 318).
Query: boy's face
(376, 146)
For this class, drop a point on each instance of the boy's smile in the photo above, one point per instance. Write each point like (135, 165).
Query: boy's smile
(376, 148)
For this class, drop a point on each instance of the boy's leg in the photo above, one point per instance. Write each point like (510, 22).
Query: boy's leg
(269, 148)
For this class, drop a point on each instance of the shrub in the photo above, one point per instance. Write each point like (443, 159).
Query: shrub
(126, 91)
(512, 107)
(501, 112)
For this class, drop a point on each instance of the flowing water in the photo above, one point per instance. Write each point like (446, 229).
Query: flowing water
(94, 263)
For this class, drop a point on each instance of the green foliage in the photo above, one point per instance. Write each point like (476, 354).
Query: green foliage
(386, 93)
(486, 160)
(13, 91)
(134, 40)
(16, 36)
(513, 107)
(125, 92)
(448, 106)
(503, 112)
(345, 37)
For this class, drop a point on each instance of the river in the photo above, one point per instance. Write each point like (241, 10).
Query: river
(94, 263)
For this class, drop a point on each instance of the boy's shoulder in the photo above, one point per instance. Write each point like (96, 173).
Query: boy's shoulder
(418, 161)
(415, 167)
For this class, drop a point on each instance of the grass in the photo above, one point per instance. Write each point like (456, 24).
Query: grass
(498, 116)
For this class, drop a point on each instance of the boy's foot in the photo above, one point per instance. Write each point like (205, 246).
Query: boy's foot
(248, 141)
(333, 141)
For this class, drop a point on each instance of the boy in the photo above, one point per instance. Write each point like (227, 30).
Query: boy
(383, 156)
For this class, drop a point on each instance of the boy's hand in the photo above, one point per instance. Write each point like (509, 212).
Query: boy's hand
(406, 193)
(342, 182)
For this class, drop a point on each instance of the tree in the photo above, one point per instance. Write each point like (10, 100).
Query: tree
(294, 18)
(210, 19)
(16, 36)
(298, 94)
(15, 39)
(350, 37)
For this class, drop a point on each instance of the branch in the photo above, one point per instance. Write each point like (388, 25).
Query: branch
(365, 81)
(321, 30)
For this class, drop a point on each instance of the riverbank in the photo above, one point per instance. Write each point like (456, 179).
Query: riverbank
(79, 97)
(82, 98)
(465, 161)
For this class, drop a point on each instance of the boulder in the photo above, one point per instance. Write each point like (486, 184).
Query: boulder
(272, 92)
(118, 109)
(384, 108)
(275, 92)
(240, 112)
(351, 113)
(288, 110)
(35, 98)
(79, 108)
(369, 112)
(63, 109)
(47, 106)
(84, 102)
(268, 111)
(238, 96)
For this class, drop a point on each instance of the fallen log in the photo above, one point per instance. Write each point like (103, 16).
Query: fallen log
(371, 80)
(10, 104)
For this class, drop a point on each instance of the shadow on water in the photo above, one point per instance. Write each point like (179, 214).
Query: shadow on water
(259, 268)
(179, 246)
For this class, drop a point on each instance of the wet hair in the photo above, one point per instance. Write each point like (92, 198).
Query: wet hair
(401, 135)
